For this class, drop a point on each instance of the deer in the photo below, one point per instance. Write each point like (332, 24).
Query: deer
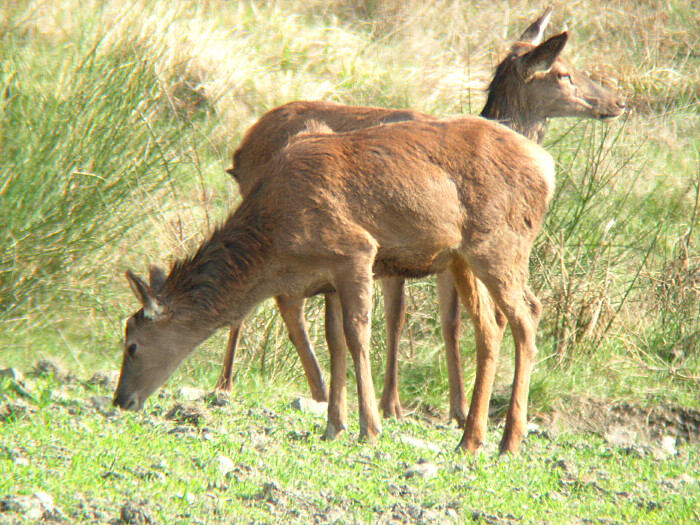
(530, 85)
(333, 211)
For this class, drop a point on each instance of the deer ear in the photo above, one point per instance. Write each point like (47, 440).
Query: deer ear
(152, 308)
(543, 56)
(533, 34)
(156, 276)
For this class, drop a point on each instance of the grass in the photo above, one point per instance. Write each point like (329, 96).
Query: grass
(116, 123)
(94, 462)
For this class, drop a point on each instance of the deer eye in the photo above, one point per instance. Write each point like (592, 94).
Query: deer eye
(564, 76)
(131, 349)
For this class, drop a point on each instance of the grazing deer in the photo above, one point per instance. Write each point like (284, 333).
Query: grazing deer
(529, 86)
(406, 199)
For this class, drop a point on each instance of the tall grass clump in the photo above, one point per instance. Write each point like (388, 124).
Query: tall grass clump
(86, 140)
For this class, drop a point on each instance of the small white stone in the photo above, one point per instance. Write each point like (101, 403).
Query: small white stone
(422, 470)
(45, 499)
(668, 445)
(12, 373)
(224, 464)
(419, 443)
(191, 394)
(309, 406)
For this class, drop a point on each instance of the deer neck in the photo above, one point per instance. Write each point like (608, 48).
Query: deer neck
(225, 279)
(532, 127)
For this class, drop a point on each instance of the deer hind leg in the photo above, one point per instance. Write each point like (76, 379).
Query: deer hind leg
(523, 318)
(488, 333)
(292, 310)
(450, 325)
(225, 381)
(394, 314)
(335, 337)
(522, 310)
(354, 285)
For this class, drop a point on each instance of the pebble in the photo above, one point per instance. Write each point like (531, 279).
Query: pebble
(106, 379)
(224, 465)
(12, 373)
(309, 406)
(39, 506)
(419, 443)
(191, 394)
(421, 470)
(666, 449)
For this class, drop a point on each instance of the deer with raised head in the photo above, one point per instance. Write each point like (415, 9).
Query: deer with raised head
(530, 85)
(406, 199)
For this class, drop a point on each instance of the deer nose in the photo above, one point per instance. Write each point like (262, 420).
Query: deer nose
(621, 104)
(129, 402)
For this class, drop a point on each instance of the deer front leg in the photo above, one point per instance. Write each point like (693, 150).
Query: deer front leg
(335, 338)
(488, 333)
(450, 324)
(354, 286)
(394, 315)
(225, 382)
(292, 310)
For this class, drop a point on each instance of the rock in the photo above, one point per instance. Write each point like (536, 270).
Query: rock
(533, 428)
(135, 514)
(621, 437)
(51, 368)
(668, 445)
(309, 406)
(666, 449)
(419, 443)
(106, 379)
(12, 373)
(421, 470)
(39, 506)
(191, 394)
(224, 464)
(101, 403)
(192, 415)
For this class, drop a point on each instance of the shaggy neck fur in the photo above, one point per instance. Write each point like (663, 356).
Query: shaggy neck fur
(209, 285)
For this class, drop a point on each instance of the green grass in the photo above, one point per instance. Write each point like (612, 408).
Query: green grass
(94, 461)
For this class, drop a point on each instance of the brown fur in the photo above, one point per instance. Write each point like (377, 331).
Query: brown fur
(283, 122)
(338, 208)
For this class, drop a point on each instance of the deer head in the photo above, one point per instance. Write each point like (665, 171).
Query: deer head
(157, 338)
(533, 83)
